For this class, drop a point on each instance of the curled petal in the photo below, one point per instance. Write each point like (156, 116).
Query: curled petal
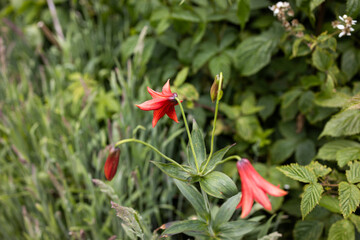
(159, 114)
(153, 104)
(166, 88)
(154, 94)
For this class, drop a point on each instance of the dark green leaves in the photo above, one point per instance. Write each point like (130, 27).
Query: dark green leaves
(218, 184)
(353, 8)
(322, 59)
(306, 230)
(199, 147)
(215, 159)
(173, 170)
(342, 230)
(311, 197)
(227, 210)
(243, 12)
(343, 124)
(191, 227)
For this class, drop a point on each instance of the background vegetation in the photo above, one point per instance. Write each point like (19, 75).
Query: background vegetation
(72, 71)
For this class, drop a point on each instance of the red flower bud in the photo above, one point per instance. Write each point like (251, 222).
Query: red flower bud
(111, 163)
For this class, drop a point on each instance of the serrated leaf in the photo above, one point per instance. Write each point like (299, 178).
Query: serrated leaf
(173, 170)
(299, 173)
(342, 230)
(346, 155)
(193, 196)
(353, 8)
(306, 230)
(328, 150)
(310, 198)
(199, 147)
(319, 169)
(181, 77)
(305, 152)
(343, 124)
(353, 175)
(215, 159)
(226, 210)
(331, 203)
(187, 226)
(218, 184)
(349, 196)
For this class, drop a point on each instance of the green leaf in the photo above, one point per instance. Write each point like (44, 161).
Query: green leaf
(331, 203)
(299, 173)
(236, 229)
(322, 59)
(221, 63)
(353, 175)
(349, 196)
(199, 147)
(289, 97)
(353, 8)
(215, 159)
(173, 170)
(226, 210)
(306, 230)
(187, 226)
(319, 170)
(311, 197)
(219, 185)
(346, 155)
(247, 126)
(306, 102)
(315, 3)
(305, 152)
(194, 197)
(336, 99)
(243, 12)
(282, 150)
(343, 124)
(356, 221)
(188, 91)
(328, 150)
(349, 64)
(342, 230)
(310, 81)
(181, 77)
(268, 103)
(205, 53)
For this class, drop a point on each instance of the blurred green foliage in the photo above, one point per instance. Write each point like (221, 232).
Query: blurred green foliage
(69, 82)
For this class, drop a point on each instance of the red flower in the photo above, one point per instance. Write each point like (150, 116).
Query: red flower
(254, 187)
(162, 103)
(111, 163)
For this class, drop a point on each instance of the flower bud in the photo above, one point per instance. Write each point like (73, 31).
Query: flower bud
(111, 163)
(214, 89)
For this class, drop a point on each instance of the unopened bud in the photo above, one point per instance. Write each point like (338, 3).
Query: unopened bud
(111, 163)
(215, 88)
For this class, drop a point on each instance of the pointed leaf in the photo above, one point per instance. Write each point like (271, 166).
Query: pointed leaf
(218, 184)
(349, 196)
(215, 159)
(305, 152)
(226, 210)
(345, 123)
(342, 230)
(331, 203)
(299, 173)
(199, 146)
(311, 197)
(190, 226)
(173, 170)
(236, 229)
(281, 150)
(356, 221)
(319, 170)
(353, 175)
(243, 12)
(193, 196)
(322, 59)
(344, 156)
(353, 8)
(305, 230)
(328, 150)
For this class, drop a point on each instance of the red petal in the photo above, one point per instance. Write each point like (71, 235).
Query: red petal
(172, 114)
(155, 94)
(111, 163)
(247, 198)
(166, 88)
(153, 104)
(159, 114)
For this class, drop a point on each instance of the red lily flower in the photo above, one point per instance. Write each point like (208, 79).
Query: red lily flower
(111, 163)
(254, 187)
(162, 103)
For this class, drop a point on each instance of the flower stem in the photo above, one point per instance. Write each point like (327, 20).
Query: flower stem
(153, 148)
(188, 132)
(214, 123)
(230, 158)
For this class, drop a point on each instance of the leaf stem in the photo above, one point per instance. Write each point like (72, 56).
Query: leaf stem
(153, 148)
(188, 132)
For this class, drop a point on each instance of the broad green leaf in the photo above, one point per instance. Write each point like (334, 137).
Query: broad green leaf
(356, 221)
(236, 229)
(181, 77)
(282, 150)
(289, 97)
(299, 173)
(342, 230)
(199, 147)
(319, 169)
(306, 102)
(215, 159)
(349, 196)
(353, 8)
(305, 152)
(343, 124)
(226, 210)
(310, 198)
(247, 126)
(205, 53)
(315, 3)
(346, 155)
(187, 226)
(184, 15)
(322, 59)
(218, 184)
(310, 81)
(331, 203)
(268, 103)
(336, 99)
(243, 12)
(194, 197)
(306, 230)
(221, 63)
(353, 175)
(349, 64)
(300, 48)
(248, 105)
(328, 150)
(173, 170)
(188, 91)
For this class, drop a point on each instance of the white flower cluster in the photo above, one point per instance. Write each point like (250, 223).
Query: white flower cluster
(280, 9)
(345, 25)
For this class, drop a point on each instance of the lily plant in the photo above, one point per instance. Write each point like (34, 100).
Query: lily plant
(199, 178)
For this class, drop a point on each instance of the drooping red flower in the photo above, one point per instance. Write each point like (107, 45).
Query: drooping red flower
(111, 163)
(162, 103)
(254, 187)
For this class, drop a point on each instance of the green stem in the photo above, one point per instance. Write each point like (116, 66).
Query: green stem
(188, 132)
(214, 124)
(153, 148)
(230, 158)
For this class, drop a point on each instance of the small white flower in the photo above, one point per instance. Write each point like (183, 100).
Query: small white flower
(345, 25)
